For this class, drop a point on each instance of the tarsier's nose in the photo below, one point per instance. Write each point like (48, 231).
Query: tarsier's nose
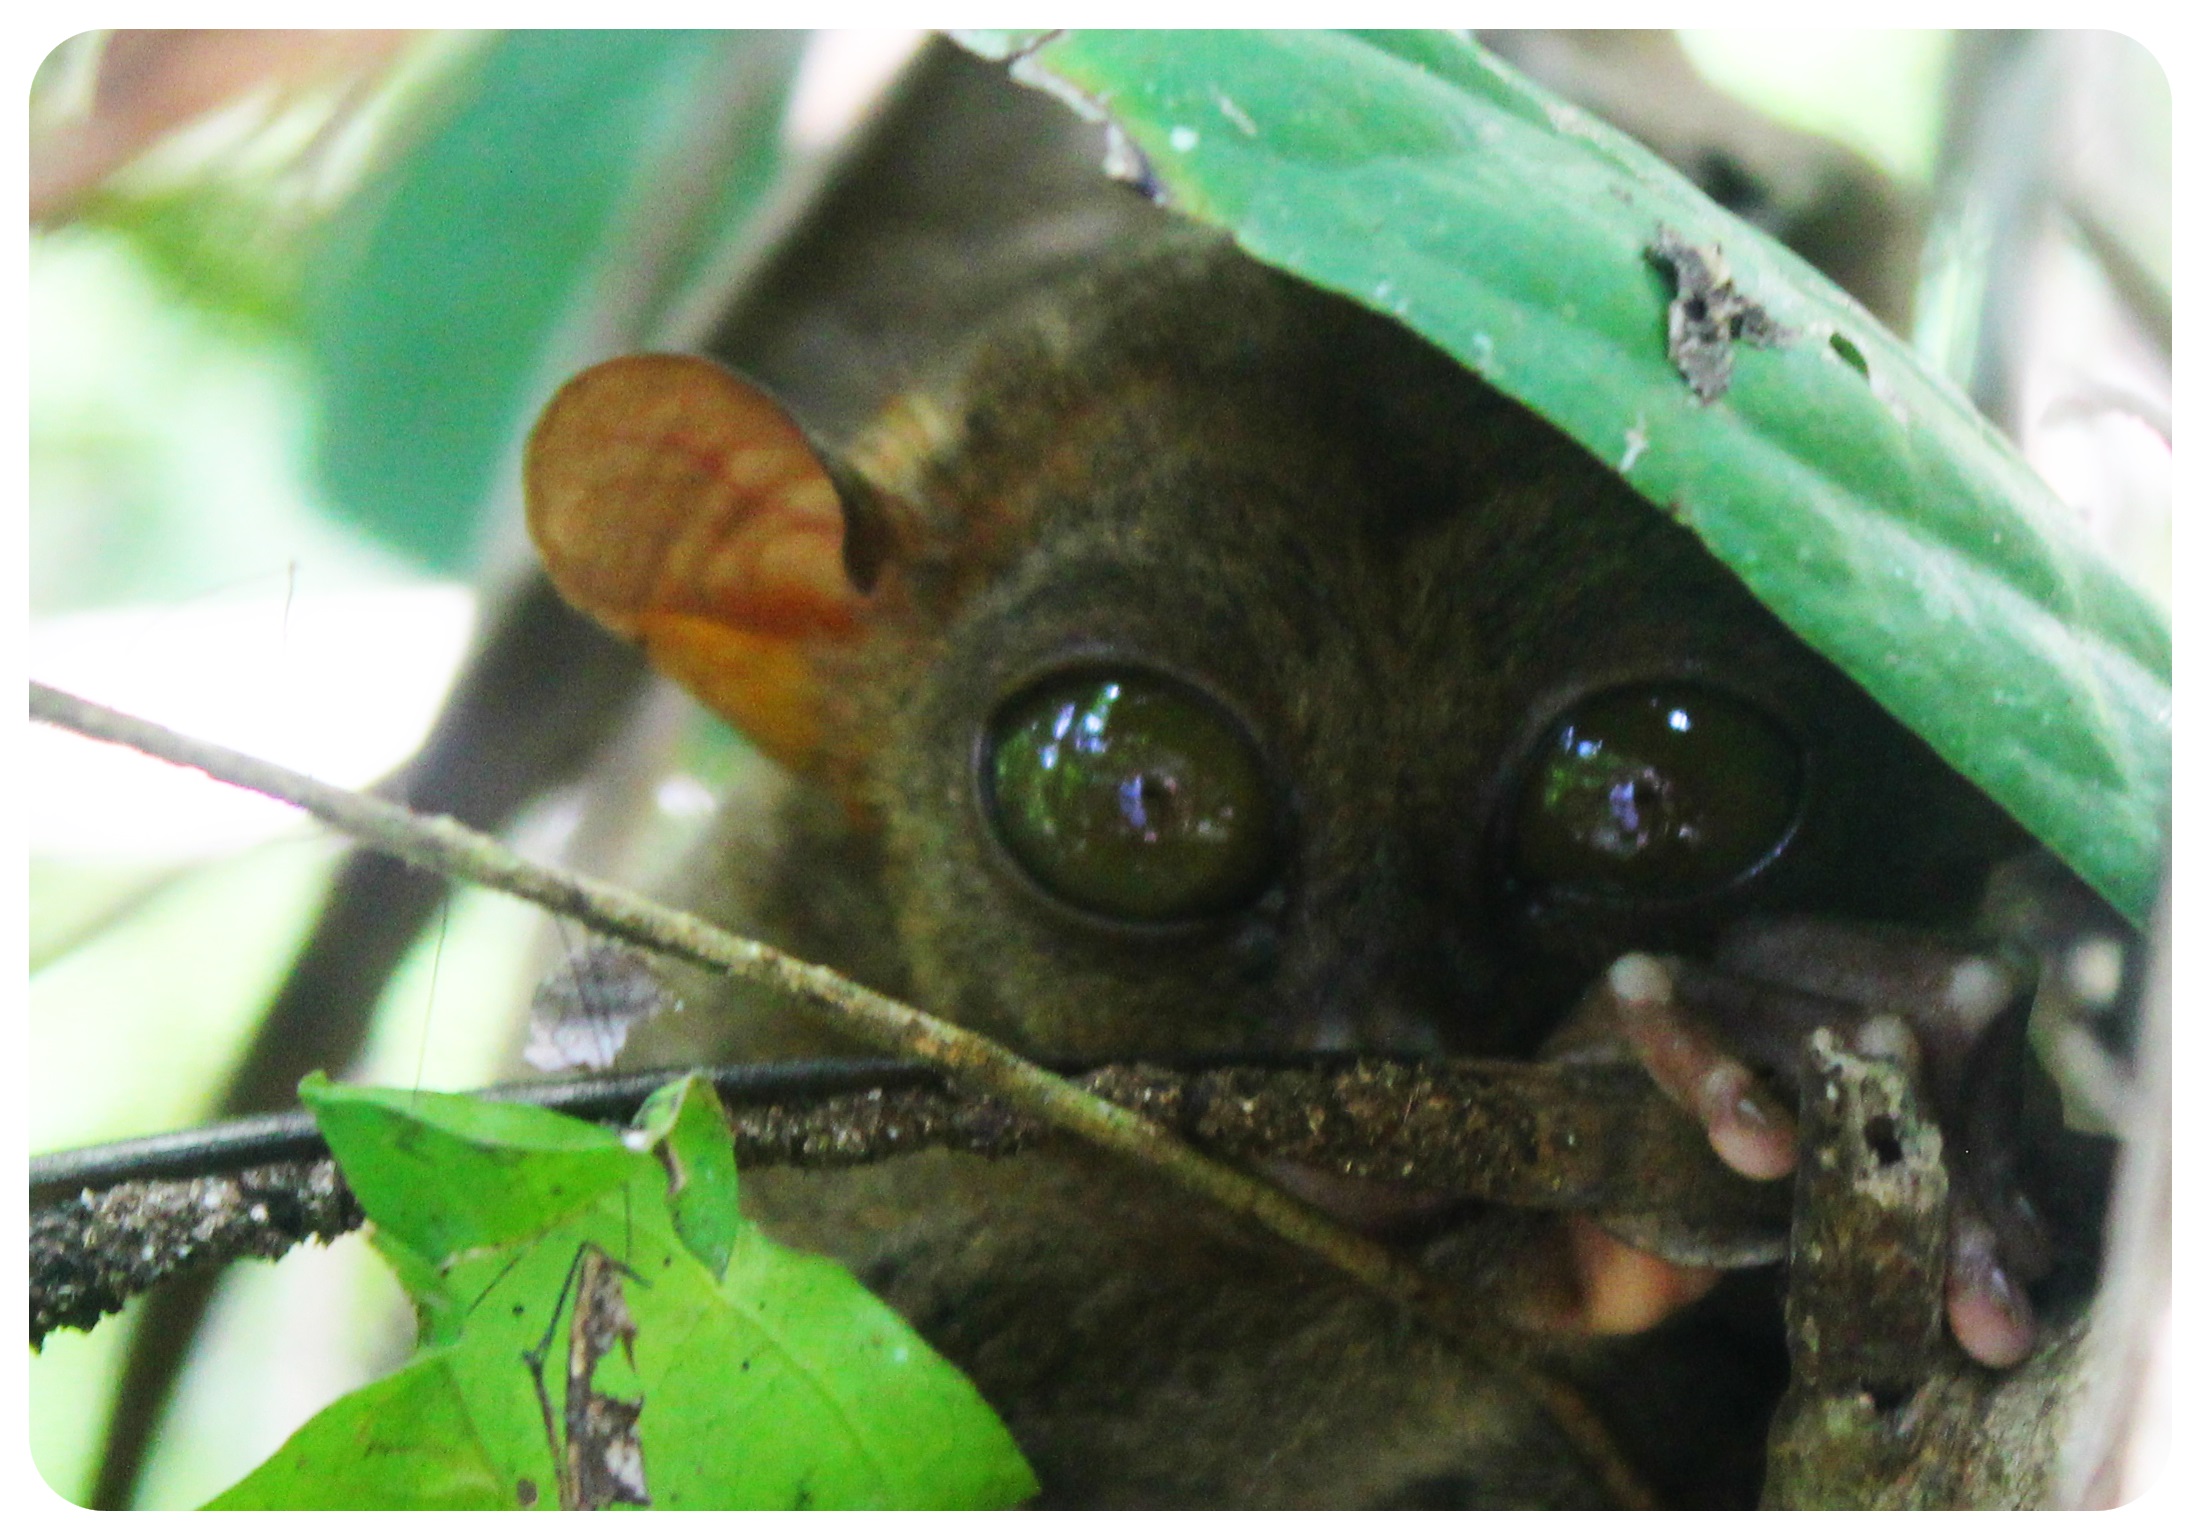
(1383, 1027)
(1367, 967)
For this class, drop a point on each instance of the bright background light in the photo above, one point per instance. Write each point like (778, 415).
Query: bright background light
(341, 686)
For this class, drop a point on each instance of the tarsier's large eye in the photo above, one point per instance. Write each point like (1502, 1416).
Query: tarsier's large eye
(1130, 796)
(1661, 791)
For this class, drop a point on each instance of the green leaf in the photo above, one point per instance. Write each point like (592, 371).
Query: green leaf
(402, 1442)
(1861, 498)
(763, 1377)
(562, 163)
(447, 1174)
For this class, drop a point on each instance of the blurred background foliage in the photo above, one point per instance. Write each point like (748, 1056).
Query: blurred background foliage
(295, 296)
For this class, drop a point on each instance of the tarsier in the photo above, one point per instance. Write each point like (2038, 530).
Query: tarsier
(1208, 664)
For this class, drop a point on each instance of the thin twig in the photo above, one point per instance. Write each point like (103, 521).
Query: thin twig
(444, 845)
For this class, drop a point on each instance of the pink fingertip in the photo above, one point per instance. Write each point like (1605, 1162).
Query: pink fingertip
(1752, 1135)
(1989, 1318)
(1758, 1151)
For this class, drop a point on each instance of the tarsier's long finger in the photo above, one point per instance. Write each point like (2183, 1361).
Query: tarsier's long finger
(1989, 1314)
(1959, 1002)
(1983, 1102)
(1749, 1128)
(1618, 1288)
(1954, 999)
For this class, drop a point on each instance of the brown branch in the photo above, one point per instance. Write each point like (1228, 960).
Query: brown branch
(94, 1253)
(1570, 1136)
(1557, 1137)
(444, 845)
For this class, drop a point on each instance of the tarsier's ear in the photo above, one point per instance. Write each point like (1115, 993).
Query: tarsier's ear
(680, 506)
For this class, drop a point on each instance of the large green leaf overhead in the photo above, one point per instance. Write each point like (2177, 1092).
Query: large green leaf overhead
(1861, 498)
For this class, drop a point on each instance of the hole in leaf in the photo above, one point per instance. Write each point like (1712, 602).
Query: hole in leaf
(1847, 352)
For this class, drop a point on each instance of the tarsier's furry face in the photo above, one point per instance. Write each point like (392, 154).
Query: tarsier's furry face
(1276, 684)
(1209, 664)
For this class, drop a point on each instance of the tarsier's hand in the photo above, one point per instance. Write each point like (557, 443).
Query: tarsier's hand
(1725, 1041)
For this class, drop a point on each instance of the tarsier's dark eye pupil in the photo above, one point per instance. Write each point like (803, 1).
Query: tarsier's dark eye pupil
(1656, 791)
(1130, 796)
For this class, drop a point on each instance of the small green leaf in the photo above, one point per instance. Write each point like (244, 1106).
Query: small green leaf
(441, 1317)
(1865, 502)
(748, 1375)
(445, 1174)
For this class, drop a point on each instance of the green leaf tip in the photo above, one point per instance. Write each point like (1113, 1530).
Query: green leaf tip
(685, 1127)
